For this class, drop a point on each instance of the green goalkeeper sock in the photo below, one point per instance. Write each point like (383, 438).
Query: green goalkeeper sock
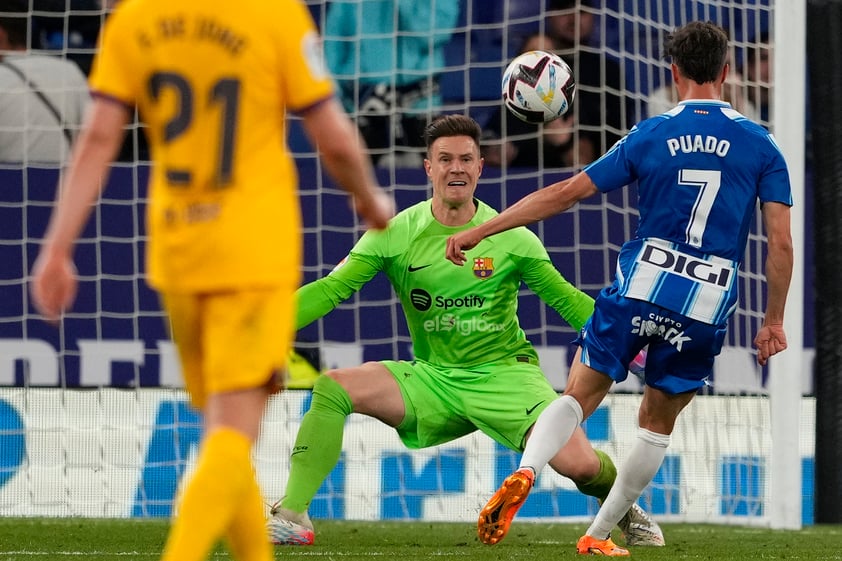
(600, 485)
(318, 444)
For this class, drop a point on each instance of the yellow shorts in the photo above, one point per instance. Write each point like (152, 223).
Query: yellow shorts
(231, 341)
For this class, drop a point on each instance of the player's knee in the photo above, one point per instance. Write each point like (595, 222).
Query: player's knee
(327, 392)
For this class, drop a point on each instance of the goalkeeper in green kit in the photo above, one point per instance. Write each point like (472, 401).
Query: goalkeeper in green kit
(474, 369)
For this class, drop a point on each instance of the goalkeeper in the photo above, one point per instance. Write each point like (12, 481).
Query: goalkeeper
(474, 369)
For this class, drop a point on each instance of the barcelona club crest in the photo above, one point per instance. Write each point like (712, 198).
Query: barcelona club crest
(483, 267)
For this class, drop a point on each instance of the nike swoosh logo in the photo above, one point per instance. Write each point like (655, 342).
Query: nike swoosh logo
(412, 269)
(533, 408)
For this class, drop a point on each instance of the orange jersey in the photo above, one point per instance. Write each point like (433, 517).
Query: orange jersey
(213, 80)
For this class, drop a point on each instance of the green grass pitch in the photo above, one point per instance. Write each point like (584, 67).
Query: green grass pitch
(40, 539)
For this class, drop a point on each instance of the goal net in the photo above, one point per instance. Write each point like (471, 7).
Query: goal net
(92, 418)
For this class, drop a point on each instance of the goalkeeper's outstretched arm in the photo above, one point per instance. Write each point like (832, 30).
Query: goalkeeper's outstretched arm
(318, 298)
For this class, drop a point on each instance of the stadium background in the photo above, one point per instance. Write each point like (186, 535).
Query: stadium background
(115, 337)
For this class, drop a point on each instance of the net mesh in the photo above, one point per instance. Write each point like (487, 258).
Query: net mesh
(112, 348)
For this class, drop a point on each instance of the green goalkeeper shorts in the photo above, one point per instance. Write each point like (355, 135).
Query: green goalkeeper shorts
(503, 400)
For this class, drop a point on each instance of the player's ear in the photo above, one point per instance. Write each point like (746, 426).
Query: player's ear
(676, 76)
(725, 71)
(480, 159)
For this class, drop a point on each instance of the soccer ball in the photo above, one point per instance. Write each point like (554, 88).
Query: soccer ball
(538, 87)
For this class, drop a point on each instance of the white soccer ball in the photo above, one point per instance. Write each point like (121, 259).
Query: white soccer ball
(538, 87)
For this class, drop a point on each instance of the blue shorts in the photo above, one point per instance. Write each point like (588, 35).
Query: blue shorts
(681, 350)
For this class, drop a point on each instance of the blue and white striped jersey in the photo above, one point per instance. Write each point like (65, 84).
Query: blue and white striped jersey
(700, 168)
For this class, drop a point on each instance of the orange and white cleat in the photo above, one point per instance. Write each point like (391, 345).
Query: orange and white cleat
(589, 545)
(497, 515)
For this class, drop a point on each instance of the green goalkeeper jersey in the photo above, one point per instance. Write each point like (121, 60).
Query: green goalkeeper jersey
(457, 316)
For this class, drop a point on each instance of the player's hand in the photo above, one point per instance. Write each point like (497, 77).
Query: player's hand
(457, 244)
(377, 210)
(53, 284)
(770, 340)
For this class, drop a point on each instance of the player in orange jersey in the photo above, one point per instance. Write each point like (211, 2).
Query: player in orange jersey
(213, 80)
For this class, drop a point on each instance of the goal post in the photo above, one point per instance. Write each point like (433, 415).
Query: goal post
(787, 370)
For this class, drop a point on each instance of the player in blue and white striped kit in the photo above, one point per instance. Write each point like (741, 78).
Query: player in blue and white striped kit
(701, 168)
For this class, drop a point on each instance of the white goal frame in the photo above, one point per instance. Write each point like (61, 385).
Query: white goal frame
(785, 383)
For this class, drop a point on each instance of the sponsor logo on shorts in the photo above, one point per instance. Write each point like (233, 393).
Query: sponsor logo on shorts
(660, 326)
(529, 410)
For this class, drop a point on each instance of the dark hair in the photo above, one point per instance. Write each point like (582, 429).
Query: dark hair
(699, 50)
(15, 25)
(451, 125)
